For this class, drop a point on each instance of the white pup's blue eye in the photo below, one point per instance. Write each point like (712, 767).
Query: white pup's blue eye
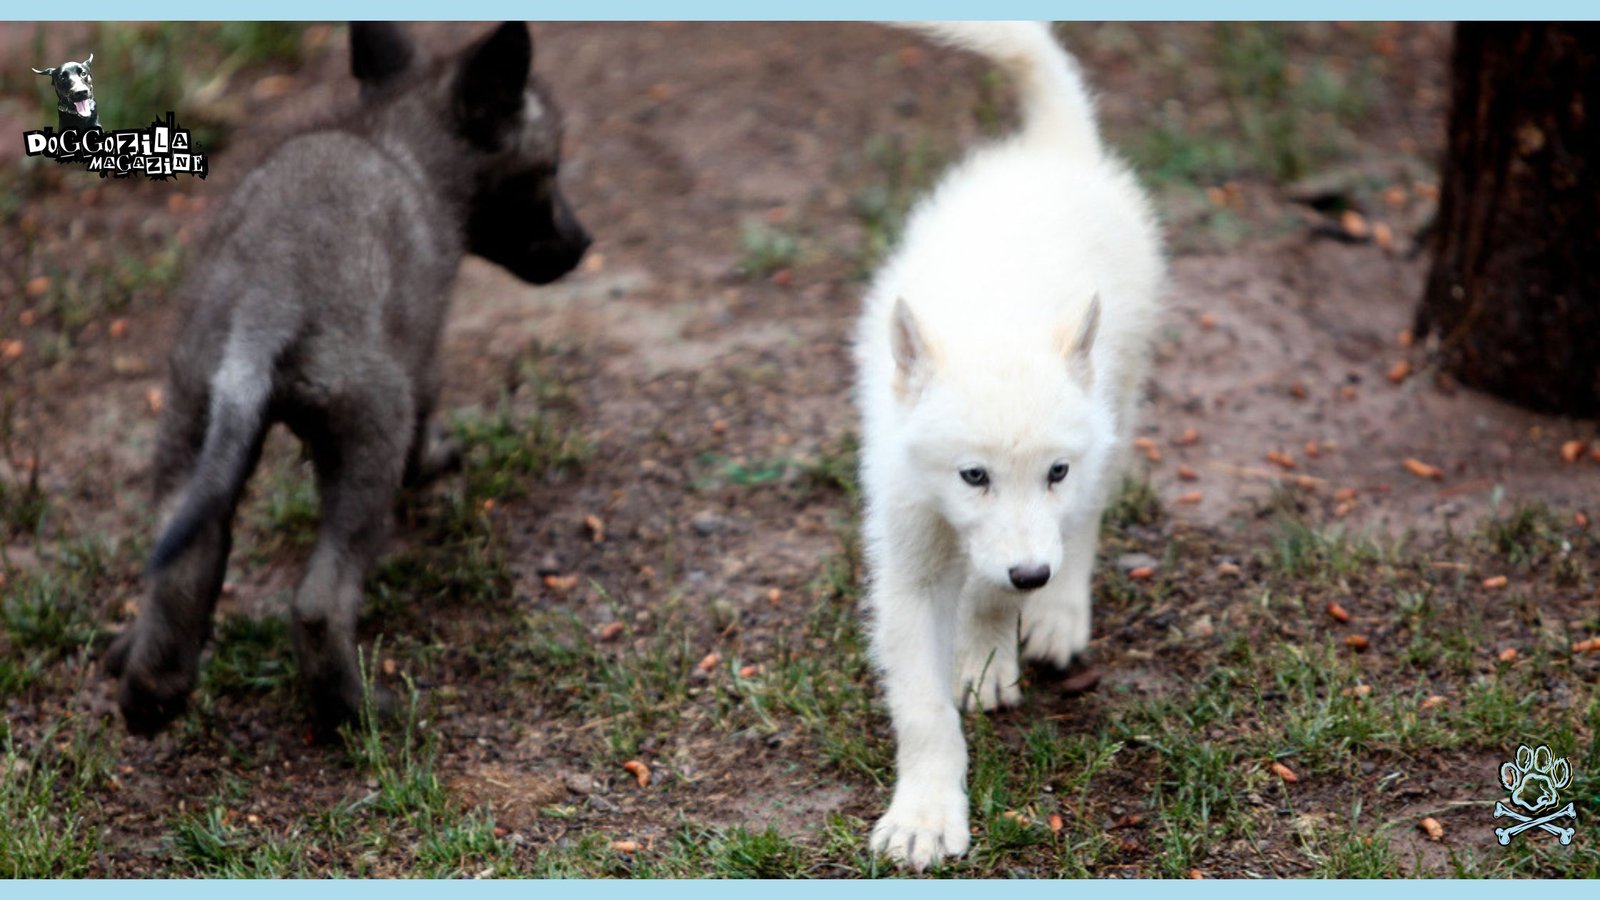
(1057, 472)
(977, 476)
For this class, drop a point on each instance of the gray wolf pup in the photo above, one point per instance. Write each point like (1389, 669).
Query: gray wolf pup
(317, 301)
(1001, 353)
(75, 108)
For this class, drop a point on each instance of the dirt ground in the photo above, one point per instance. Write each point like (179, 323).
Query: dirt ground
(729, 174)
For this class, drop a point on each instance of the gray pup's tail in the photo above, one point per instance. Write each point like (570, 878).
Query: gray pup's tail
(239, 393)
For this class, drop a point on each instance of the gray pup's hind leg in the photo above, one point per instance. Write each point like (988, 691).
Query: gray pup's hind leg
(360, 449)
(434, 450)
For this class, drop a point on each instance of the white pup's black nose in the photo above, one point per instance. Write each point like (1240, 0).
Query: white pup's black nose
(1026, 578)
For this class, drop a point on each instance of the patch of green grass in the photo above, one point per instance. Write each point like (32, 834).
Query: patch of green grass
(1528, 534)
(837, 468)
(249, 656)
(503, 452)
(46, 800)
(1309, 555)
(48, 614)
(1135, 504)
(903, 171)
(765, 250)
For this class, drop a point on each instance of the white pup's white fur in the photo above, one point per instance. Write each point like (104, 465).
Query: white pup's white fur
(1009, 333)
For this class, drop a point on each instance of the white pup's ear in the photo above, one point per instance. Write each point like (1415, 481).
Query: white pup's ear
(1078, 346)
(911, 357)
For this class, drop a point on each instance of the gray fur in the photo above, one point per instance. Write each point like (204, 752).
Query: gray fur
(317, 301)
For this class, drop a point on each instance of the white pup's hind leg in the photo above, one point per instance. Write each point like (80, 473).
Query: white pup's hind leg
(987, 670)
(1055, 618)
(914, 641)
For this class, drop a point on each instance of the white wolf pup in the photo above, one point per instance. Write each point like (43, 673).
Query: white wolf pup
(1001, 353)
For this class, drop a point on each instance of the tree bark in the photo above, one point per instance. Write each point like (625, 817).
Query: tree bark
(1513, 298)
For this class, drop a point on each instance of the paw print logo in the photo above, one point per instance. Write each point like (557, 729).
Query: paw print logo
(1535, 779)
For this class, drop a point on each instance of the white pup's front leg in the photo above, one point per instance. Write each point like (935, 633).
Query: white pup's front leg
(987, 671)
(1055, 618)
(914, 643)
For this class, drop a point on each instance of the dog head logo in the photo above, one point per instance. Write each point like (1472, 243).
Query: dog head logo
(1534, 780)
(74, 86)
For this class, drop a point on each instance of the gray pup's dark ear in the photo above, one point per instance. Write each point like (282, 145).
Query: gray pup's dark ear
(490, 83)
(48, 73)
(379, 53)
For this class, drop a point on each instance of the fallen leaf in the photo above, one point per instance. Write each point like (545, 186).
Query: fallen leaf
(1580, 519)
(1507, 655)
(1280, 459)
(1404, 338)
(596, 526)
(709, 661)
(11, 349)
(1338, 612)
(1284, 772)
(638, 770)
(1344, 494)
(1495, 582)
(26, 318)
(1313, 449)
(1055, 822)
(610, 631)
(37, 287)
(1354, 224)
(1357, 642)
(1141, 573)
(749, 671)
(153, 399)
(1383, 235)
(1431, 826)
(561, 582)
(1191, 498)
(625, 846)
(1208, 321)
(1187, 474)
(1434, 701)
(773, 596)
(1196, 875)
(1421, 469)
(1189, 438)
(1227, 568)
(1571, 450)
(488, 504)
(1399, 371)
(1590, 645)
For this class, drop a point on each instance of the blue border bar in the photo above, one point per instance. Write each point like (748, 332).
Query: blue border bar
(754, 10)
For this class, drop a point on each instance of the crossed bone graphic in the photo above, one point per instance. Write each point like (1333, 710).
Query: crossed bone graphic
(1527, 823)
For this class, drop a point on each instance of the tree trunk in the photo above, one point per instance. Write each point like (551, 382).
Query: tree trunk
(1514, 295)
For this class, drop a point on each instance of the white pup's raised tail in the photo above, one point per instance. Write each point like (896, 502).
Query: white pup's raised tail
(1056, 105)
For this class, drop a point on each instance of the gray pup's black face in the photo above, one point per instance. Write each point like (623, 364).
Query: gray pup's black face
(518, 217)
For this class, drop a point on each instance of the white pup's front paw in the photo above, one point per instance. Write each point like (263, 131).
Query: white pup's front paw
(987, 677)
(1054, 632)
(924, 829)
